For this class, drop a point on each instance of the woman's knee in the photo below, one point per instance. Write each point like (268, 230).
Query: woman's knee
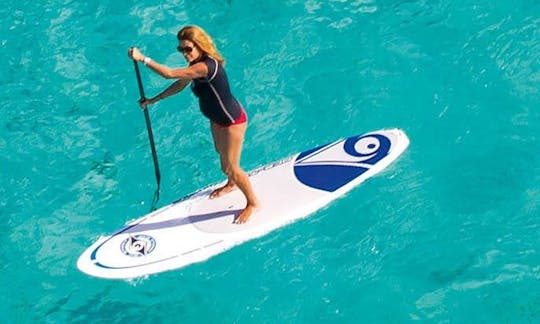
(232, 171)
(226, 165)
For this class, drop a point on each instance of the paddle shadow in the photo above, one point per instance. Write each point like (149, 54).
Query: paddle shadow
(135, 228)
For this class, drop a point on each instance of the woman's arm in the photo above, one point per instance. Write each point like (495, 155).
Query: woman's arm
(198, 70)
(173, 89)
(195, 71)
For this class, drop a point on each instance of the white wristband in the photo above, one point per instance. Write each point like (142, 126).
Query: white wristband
(146, 60)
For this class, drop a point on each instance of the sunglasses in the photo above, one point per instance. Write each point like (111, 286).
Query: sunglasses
(187, 49)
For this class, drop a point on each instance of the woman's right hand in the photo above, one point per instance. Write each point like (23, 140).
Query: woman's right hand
(148, 101)
(135, 54)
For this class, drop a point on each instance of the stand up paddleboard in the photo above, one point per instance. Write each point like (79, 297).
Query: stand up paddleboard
(196, 228)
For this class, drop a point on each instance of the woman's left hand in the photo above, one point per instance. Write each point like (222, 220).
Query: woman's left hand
(135, 54)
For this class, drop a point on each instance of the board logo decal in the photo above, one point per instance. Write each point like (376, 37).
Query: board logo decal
(138, 245)
(332, 166)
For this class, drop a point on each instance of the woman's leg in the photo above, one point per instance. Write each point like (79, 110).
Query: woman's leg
(220, 148)
(229, 141)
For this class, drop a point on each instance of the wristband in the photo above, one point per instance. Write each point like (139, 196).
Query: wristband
(146, 60)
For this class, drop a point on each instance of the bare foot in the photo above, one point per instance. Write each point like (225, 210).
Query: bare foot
(222, 190)
(245, 214)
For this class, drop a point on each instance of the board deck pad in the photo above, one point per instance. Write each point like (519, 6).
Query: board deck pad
(196, 227)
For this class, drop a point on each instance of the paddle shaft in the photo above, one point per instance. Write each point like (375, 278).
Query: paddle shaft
(148, 125)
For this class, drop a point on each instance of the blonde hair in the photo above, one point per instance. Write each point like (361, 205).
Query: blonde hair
(203, 41)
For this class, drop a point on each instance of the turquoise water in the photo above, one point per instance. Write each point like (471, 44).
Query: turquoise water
(449, 233)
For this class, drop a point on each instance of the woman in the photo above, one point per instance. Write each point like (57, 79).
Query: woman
(228, 120)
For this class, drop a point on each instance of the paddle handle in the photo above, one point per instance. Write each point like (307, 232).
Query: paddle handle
(139, 81)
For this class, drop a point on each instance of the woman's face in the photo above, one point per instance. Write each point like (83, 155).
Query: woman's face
(190, 51)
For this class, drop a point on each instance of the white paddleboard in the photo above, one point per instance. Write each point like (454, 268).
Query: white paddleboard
(196, 228)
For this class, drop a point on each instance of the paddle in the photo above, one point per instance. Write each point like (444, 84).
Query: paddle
(150, 135)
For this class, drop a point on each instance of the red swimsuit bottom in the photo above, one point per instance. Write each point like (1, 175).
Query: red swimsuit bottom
(241, 119)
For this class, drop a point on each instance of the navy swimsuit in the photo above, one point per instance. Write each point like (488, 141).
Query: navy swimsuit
(215, 98)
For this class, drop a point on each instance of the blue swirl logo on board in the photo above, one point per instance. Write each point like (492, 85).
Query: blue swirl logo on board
(332, 166)
(138, 245)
